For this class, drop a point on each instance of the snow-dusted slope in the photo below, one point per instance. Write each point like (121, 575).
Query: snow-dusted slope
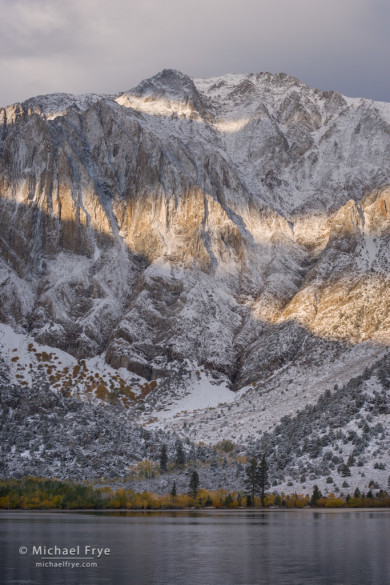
(208, 235)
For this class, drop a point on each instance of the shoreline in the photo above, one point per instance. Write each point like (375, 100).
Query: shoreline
(192, 510)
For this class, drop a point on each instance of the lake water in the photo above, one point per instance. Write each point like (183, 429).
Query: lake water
(297, 547)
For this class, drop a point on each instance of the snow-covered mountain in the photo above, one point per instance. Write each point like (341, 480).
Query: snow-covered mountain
(218, 240)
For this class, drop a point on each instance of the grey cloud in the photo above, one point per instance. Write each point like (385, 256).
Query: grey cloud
(91, 45)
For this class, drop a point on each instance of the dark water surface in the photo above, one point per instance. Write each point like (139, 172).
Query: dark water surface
(307, 547)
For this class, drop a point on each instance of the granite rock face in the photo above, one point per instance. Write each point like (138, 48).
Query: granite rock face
(233, 222)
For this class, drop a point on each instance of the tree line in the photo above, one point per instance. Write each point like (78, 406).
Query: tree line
(41, 493)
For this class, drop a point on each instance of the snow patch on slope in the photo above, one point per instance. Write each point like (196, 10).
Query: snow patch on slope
(22, 356)
(201, 394)
(371, 249)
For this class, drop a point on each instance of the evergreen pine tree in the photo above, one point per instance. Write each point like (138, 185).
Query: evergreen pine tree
(315, 496)
(194, 484)
(173, 490)
(228, 500)
(163, 459)
(180, 458)
(344, 470)
(252, 479)
(263, 478)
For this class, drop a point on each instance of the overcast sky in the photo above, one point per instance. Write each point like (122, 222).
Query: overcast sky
(106, 46)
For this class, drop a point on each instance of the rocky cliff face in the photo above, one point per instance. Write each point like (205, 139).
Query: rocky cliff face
(240, 223)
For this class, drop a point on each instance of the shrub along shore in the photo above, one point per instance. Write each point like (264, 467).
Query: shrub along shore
(32, 493)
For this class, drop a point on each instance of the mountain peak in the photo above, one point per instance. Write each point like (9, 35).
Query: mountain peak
(168, 83)
(168, 90)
